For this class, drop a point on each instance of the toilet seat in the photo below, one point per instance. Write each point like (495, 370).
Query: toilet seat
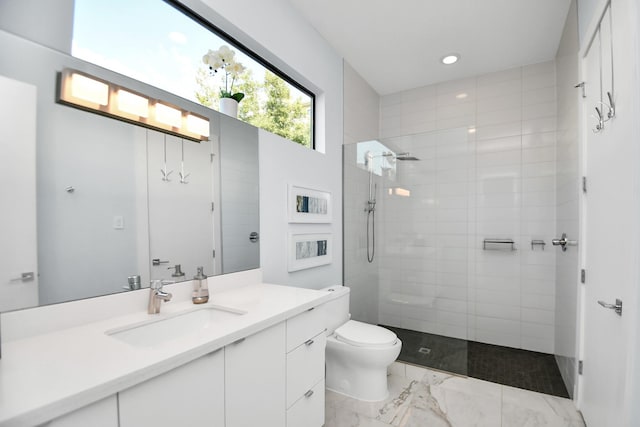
(361, 334)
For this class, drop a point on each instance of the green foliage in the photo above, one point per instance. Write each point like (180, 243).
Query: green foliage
(207, 94)
(267, 105)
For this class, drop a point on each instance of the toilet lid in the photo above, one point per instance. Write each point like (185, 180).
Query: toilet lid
(365, 335)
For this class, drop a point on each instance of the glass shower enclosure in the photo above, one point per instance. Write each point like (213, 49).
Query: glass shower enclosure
(409, 241)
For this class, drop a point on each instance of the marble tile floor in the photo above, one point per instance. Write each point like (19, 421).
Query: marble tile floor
(420, 397)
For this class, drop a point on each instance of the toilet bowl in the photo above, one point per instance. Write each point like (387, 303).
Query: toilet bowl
(357, 353)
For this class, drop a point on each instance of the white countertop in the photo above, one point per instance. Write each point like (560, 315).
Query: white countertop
(45, 376)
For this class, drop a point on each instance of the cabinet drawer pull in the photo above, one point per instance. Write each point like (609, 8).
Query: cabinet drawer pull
(308, 342)
(311, 308)
(308, 394)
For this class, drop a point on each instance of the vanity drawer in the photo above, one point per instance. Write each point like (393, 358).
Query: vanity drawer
(308, 411)
(304, 326)
(305, 367)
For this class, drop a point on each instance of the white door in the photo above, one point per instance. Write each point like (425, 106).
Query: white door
(18, 251)
(239, 195)
(608, 246)
(180, 213)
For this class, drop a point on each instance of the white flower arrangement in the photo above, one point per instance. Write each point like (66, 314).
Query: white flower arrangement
(222, 60)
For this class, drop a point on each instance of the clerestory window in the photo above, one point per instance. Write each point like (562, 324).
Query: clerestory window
(163, 44)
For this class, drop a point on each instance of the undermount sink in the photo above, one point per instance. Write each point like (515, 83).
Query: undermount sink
(158, 332)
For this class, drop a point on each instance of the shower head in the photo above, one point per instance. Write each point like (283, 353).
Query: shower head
(406, 156)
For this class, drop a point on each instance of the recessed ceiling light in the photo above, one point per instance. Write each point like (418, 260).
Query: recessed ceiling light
(462, 95)
(450, 59)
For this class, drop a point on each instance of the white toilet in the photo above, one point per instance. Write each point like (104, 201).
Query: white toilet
(357, 353)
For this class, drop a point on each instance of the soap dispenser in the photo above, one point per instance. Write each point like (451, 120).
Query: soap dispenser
(200, 293)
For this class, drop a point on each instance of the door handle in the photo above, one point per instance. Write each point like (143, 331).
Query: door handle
(564, 242)
(254, 237)
(617, 307)
(29, 276)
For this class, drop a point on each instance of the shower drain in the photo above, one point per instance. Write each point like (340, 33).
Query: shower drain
(424, 350)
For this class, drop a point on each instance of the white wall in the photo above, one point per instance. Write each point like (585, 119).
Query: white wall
(568, 183)
(361, 123)
(49, 23)
(276, 31)
(283, 163)
(587, 10)
(496, 182)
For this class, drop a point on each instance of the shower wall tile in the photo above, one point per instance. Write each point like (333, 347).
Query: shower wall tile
(502, 102)
(509, 312)
(541, 67)
(456, 86)
(499, 116)
(530, 286)
(538, 111)
(539, 80)
(539, 140)
(498, 89)
(538, 301)
(499, 181)
(502, 130)
(539, 96)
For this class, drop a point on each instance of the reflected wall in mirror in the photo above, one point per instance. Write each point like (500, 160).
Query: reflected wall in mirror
(104, 212)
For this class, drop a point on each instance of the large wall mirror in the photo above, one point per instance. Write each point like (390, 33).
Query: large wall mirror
(105, 209)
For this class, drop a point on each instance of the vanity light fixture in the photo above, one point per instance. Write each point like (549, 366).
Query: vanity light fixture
(450, 59)
(87, 91)
(81, 90)
(168, 115)
(197, 125)
(131, 103)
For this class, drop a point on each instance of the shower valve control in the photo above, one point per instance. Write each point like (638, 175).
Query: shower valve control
(562, 241)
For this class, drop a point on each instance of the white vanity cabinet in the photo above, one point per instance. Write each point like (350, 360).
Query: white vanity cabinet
(191, 395)
(255, 379)
(271, 378)
(103, 413)
(306, 342)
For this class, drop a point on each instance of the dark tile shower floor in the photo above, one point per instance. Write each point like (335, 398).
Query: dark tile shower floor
(525, 369)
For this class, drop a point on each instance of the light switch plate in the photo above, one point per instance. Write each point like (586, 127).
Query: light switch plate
(118, 222)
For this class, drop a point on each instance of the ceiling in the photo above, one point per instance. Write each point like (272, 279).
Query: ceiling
(397, 45)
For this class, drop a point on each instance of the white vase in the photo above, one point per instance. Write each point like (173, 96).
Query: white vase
(229, 106)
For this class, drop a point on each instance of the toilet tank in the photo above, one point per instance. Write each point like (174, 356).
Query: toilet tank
(337, 308)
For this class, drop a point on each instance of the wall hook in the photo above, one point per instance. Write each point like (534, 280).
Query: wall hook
(612, 106)
(608, 116)
(183, 175)
(600, 126)
(164, 171)
(165, 174)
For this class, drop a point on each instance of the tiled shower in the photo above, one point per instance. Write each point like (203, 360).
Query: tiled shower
(487, 170)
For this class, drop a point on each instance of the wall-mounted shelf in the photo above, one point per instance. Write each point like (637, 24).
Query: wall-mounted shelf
(498, 245)
(536, 242)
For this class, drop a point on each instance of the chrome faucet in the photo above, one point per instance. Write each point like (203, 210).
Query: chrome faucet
(157, 295)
